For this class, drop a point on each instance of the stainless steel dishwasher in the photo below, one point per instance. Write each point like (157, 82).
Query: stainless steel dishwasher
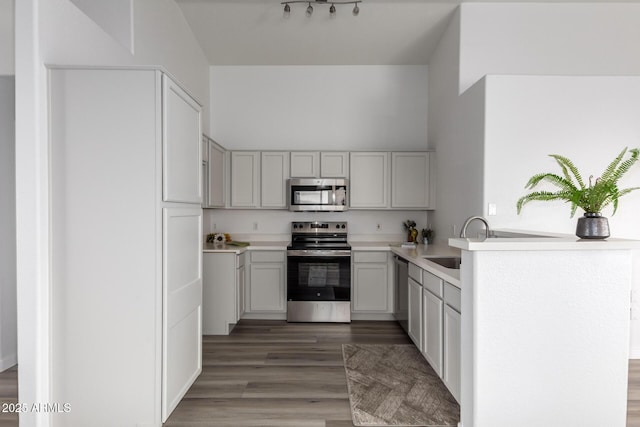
(401, 305)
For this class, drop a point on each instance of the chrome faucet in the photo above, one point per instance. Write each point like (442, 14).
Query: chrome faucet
(463, 232)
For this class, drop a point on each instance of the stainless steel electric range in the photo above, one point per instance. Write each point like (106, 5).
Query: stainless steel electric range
(319, 273)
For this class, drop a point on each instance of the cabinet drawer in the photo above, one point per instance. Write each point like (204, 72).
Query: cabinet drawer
(433, 283)
(240, 260)
(370, 256)
(452, 296)
(267, 256)
(415, 273)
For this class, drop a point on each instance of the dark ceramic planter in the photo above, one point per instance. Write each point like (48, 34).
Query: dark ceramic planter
(592, 226)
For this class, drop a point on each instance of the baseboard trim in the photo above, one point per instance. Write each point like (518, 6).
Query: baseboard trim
(265, 316)
(372, 316)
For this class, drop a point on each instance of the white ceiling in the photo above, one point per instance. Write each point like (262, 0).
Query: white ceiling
(386, 32)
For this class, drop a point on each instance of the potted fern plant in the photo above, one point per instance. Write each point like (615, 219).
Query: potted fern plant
(591, 198)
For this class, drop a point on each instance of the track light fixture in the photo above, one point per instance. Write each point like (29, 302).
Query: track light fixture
(332, 9)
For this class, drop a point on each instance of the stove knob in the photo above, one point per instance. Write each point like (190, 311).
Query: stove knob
(344, 226)
(337, 225)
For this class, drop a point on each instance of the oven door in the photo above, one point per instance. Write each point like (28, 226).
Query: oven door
(317, 275)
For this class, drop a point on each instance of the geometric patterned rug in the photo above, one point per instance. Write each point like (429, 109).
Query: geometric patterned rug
(393, 385)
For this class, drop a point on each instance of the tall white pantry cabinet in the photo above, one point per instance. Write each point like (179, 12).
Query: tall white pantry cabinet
(126, 239)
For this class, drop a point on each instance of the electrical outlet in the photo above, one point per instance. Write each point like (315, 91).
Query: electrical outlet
(214, 227)
(492, 209)
(255, 226)
(453, 230)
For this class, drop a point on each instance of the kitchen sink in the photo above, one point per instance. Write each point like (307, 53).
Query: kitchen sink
(447, 262)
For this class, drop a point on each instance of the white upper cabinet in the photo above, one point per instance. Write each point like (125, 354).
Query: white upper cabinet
(216, 176)
(245, 179)
(305, 164)
(314, 164)
(274, 174)
(410, 183)
(334, 164)
(369, 182)
(181, 130)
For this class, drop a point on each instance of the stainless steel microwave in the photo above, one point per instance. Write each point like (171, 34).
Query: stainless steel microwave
(317, 195)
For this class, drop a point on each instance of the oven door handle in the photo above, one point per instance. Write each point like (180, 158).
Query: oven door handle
(319, 253)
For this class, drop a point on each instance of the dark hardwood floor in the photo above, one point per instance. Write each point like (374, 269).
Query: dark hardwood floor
(633, 400)
(8, 395)
(270, 373)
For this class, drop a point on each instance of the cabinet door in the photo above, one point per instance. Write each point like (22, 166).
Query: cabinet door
(245, 179)
(205, 184)
(216, 175)
(305, 164)
(369, 182)
(267, 286)
(452, 334)
(218, 293)
(334, 164)
(181, 154)
(182, 303)
(432, 330)
(410, 180)
(415, 313)
(370, 287)
(240, 291)
(274, 173)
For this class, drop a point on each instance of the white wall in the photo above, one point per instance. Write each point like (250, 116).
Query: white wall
(7, 61)
(587, 119)
(161, 37)
(57, 32)
(276, 224)
(456, 130)
(547, 38)
(319, 107)
(8, 319)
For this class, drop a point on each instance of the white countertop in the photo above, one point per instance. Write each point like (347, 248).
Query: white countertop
(253, 246)
(418, 256)
(540, 241)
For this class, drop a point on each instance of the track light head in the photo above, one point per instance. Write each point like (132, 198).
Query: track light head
(332, 8)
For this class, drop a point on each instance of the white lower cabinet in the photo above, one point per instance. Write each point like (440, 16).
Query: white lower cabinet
(434, 324)
(223, 274)
(452, 335)
(432, 330)
(415, 313)
(240, 290)
(372, 290)
(266, 291)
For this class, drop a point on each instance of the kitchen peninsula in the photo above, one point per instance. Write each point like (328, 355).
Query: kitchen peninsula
(545, 331)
